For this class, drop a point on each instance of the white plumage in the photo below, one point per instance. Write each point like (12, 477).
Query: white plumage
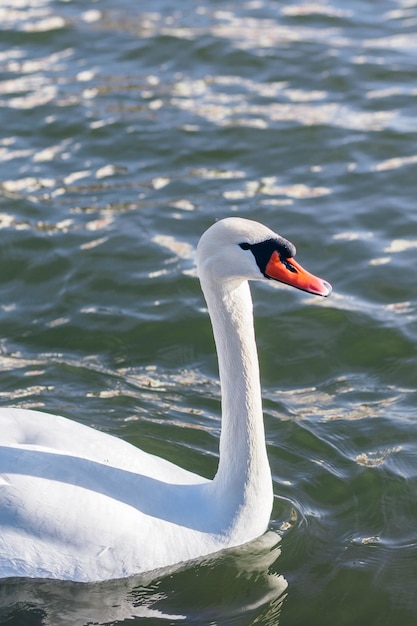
(78, 504)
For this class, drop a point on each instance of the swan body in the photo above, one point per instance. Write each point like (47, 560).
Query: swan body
(78, 504)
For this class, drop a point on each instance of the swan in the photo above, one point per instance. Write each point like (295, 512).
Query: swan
(78, 504)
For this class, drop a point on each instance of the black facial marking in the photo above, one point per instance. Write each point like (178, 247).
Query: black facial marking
(263, 251)
(288, 265)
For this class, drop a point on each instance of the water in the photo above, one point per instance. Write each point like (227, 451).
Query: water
(128, 128)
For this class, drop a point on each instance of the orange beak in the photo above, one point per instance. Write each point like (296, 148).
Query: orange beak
(291, 273)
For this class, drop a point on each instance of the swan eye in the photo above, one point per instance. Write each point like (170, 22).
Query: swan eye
(245, 246)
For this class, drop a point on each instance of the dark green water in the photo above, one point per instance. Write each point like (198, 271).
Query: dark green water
(126, 129)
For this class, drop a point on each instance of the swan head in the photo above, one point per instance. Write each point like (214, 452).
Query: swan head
(237, 249)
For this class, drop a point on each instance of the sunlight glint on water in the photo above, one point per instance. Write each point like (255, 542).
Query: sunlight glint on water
(126, 131)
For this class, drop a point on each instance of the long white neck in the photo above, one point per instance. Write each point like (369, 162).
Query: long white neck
(243, 481)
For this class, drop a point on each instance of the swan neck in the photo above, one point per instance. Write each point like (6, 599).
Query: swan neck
(243, 465)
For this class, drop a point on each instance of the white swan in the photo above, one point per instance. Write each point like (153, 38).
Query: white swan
(82, 505)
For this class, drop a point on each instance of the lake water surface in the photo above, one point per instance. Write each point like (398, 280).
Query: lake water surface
(127, 128)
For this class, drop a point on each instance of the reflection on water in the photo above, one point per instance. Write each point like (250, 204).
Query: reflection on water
(239, 584)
